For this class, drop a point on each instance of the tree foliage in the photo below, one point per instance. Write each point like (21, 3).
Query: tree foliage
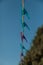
(35, 55)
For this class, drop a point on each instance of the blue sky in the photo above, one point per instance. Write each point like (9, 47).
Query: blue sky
(10, 28)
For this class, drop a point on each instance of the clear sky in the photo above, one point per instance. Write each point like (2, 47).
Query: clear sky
(10, 28)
